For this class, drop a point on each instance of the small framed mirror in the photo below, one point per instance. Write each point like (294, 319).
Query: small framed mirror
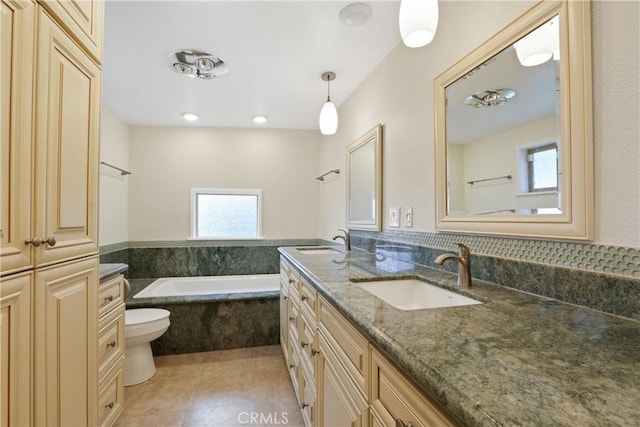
(514, 130)
(364, 181)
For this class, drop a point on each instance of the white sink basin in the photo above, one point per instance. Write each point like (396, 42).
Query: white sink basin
(412, 294)
(317, 250)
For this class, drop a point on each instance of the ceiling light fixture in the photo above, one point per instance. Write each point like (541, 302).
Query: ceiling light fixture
(540, 45)
(355, 14)
(194, 63)
(490, 98)
(418, 21)
(328, 115)
(190, 117)
(259, 119)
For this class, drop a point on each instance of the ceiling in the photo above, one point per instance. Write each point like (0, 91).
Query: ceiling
(275, 53)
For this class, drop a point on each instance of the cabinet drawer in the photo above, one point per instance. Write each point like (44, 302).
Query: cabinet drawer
(111, 294)
(111, 397)
(394, 398)
(353, 346)
(110, 339)
(308, 300)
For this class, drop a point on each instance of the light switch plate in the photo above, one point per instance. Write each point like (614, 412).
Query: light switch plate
(394, 217)
(408, 217)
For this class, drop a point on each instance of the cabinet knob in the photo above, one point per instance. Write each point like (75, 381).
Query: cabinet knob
(109, 405)
(314, 351)
(304, 298)
(292, 318)
(109, 298)
(303, 344)
(285, 297)
(111, 344)
(39, 241)
(304, 405)
(291, 280)
(291, 366)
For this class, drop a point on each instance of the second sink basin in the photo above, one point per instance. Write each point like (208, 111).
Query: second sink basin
(412, 294)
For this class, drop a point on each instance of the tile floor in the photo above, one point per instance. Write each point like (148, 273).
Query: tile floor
(241, 387)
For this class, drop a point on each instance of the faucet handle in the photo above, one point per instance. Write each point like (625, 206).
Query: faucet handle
(463, 250)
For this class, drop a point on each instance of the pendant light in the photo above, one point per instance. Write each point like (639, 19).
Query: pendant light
(328, 115)
(418, 21)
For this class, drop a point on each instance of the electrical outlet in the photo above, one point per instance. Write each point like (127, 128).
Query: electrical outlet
(394, 217)
(408, 217)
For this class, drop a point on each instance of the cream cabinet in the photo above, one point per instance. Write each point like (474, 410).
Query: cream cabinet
(83, 19)
(111, 317)
(15, 341)
(48, 220)
(68, 85)
(395, 401)
(16, 191)
(65, 331)
(339, 378)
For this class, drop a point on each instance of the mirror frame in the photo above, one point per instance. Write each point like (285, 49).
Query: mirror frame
(374, 134)
(576, 221)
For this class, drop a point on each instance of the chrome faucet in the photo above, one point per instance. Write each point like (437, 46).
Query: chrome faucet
(463, 259)
(347, 240)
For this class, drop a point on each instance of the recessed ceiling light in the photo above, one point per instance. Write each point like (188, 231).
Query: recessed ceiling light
(190, 117)
(259, 119)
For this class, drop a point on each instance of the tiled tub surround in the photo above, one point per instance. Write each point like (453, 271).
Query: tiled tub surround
(209, 322)
(213, 322)
(605, 278)
(190, 258)
(516, 359)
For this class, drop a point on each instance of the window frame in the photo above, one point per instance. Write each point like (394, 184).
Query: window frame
(530, 152)
(225, 191)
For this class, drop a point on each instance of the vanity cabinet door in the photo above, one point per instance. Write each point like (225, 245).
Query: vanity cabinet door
(340, 401)
(16, 184)
(67, 125)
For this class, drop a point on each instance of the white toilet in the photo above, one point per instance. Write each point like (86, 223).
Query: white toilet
(141, 326)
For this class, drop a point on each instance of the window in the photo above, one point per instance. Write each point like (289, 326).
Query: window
(226, 214)
(542, 166)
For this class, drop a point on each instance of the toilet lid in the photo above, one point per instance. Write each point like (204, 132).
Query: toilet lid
(144, 315)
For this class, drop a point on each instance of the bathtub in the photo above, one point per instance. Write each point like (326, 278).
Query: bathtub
(212, 312)
(210, 285)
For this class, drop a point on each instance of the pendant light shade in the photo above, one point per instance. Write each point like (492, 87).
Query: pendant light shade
(328, 115)
(418, 21)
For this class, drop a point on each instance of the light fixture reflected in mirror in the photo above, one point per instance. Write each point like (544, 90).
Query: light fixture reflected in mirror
(540, 45)
(418, 21)
(190, 117)
(490, 98)
(328, 115)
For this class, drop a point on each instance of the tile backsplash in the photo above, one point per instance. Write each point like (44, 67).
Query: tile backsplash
(605, 278)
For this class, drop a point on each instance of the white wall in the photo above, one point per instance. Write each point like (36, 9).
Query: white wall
(114, 187)
(168, 161)
(399, 94)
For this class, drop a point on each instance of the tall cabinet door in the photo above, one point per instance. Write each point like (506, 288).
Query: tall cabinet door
(15, 357)
(65, 317)
(16, 70)
(67, 133)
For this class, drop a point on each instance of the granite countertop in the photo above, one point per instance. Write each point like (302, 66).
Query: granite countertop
(107, 270)
(517, 359)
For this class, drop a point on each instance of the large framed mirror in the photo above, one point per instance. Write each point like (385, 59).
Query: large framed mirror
(513, 129)
(364, 181)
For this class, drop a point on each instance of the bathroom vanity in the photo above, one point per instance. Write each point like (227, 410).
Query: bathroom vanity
(514, 359)
(111, 308)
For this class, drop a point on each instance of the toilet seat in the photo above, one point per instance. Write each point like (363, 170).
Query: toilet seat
(139, 316)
